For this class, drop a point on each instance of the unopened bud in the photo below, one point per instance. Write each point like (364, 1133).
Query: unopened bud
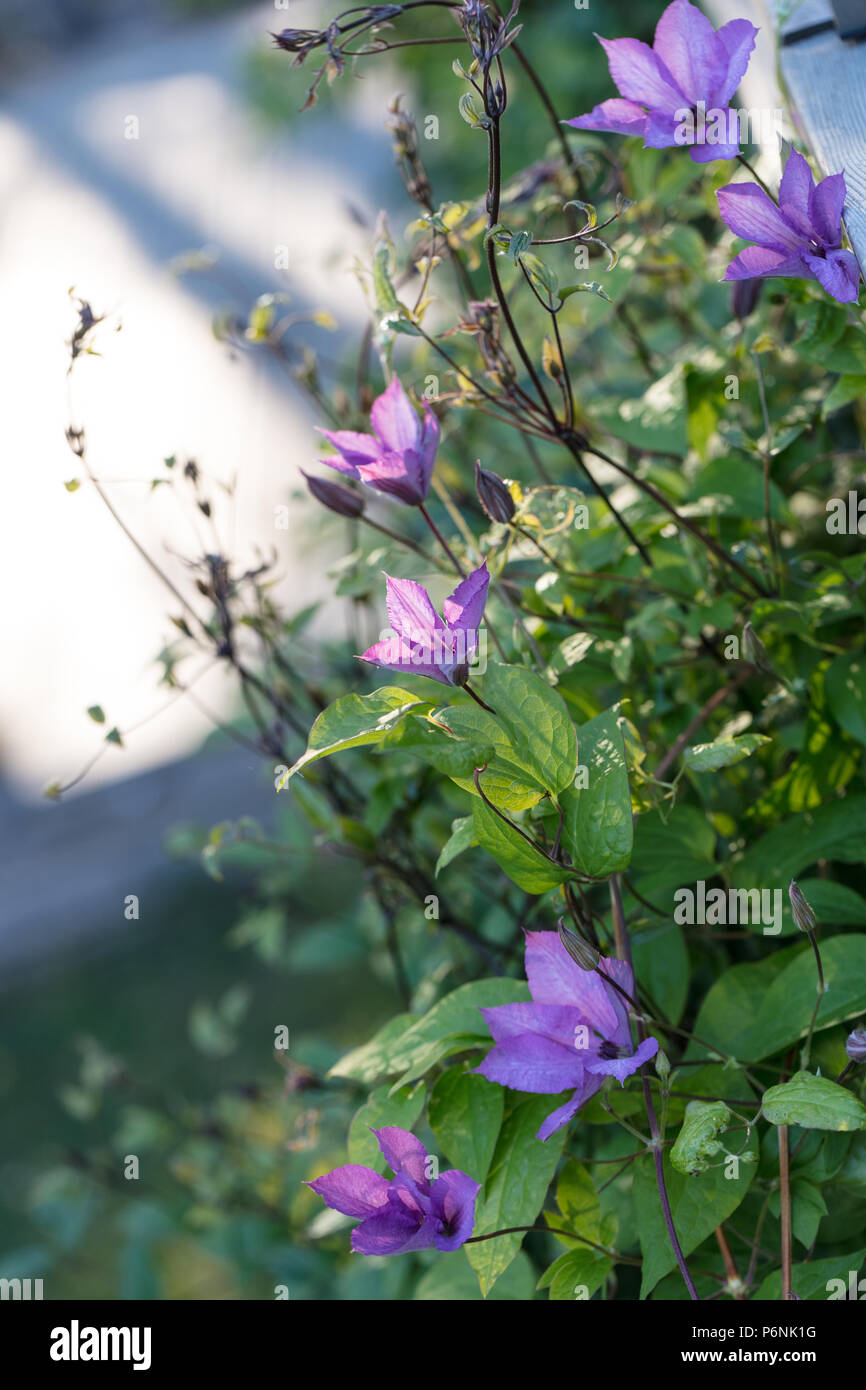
(460, 674)
(804, 917)
(493, 495)
(753, 648)
(744, 297)
(584, 955)
(335, 496)
(663, 1066)
(855, 1045)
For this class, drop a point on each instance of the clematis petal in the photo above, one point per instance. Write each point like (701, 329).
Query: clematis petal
(621, 1067)
(737, 37)
(353, 1190)
(464, 608)
(410, 611)
(640, 76)
(556, 1021)
(398, 475)
(452, 1208)
(393, 418)
(530, 1062)
(662, 128)
(353, 449)
(796, 192)
(390, 1232)
(828, 200)
(750, 213)
(395, 654)
(706, 153)
(615, 114)
(561, 1116)
(839, 274)
(554, 978)
(758, 262)
(404, 1152)
(688, 46)
(427, 446)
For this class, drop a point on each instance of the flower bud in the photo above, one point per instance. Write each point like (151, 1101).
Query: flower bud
(855, 1045)
(804, 917)
(662, 1065)
(335, 496)
(753, 648)
(493, 495)
(584, 955)
(460, 674)
(744, 297)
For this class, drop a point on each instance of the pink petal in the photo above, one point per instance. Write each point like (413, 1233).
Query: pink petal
(738, 40)
(686, 43)
(554, 978)
(403, 1151)
(751, 214)
(557, 1118)
(354, 449)
(615, 114)
(795, 193)
(410, 610)
(639, 74)
(533, 1063)
(396, 654)
(398, 475)
(353, 1190)
(827, 203)
(394, 420)
(465, 607)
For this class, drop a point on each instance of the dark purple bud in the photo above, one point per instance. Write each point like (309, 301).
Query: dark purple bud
(855, 1045)
(335, 496)
(493, 495)
(460, 674)
(804, 917)
(744, 297)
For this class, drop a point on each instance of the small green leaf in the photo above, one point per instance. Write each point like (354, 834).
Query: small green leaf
(576, 1275)
(97, 713)
(462, 837)
(526, 866)
(723, 752)
(697, 1141)
(355, 720)
(813, 1102)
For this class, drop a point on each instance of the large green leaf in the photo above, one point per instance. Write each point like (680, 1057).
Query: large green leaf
(661, 963)
(465, 1113)
(520, 1174)
(813, 1102)
(537, 722)
(451, 1280)
(576, 1275)
(398, 1046)
(526, 866)
(836, 830)
(754, 1011)
(698, 1205)
(845, 684)
(507, 782)
(597, 830)
(817, 1281)
(355, 720)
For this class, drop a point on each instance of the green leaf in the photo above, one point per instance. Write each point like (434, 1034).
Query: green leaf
(597, 830)
(698, 1141)
(661, 963)
(97, 714)
(834, 904)
(578, 1202)
(355, 720)
(462, 837)
(436, 1051)
(723, 752)
(816, 1282)
(520, 1174)
(845, 684)
(479, 740)
(698, 1206)
(536, 720)
(379, 1111)
(529, 868)
(451, 1279)
(836, 830)
(465, 1114)
(576, 1275)
(398, 1046)
(754, 1011)
(813, 1102)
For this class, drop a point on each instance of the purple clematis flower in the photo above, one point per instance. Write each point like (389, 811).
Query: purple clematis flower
(399, 455)
(406, 1212)
(574, 1033)
(802, 237)
(677, 92)
(423, 643)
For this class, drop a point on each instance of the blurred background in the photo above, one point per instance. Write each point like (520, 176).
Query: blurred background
(154, 163)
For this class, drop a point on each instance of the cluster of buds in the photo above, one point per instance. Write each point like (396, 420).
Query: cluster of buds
(482, 321)
(488, 36)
